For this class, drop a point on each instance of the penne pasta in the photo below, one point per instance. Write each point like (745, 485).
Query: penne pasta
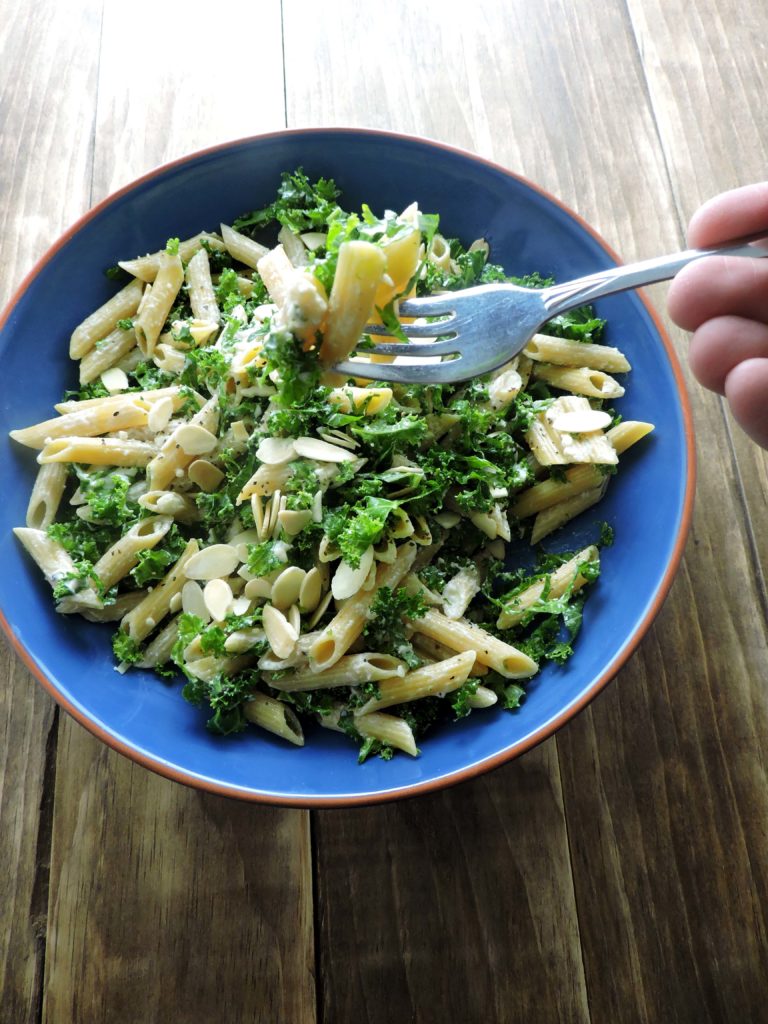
(438, 678)
(464, 636)
(157, 304)
(46, 495)
(104, 320)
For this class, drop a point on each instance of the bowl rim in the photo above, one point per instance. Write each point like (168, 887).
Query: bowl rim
(156, 763)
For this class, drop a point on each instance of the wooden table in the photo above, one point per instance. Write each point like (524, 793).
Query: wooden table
(618, 872)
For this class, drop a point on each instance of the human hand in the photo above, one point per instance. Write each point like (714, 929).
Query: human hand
(724, 302)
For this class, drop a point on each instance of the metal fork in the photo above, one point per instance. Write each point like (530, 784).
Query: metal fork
(485, 326)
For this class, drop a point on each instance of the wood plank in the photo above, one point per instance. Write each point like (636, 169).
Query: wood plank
(43, 78)
(731, 148)
(662, 801)
(455, 907)
(173, 905)
(460, 899)
(167, 904)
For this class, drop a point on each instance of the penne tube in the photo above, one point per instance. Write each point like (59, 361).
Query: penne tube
(348, 671)
(389, 729)
(104, 320)
(46, 495)
(119, 608)
(106, 353)
(428, 681)
(359, 272)
(157, 304)
(152, 609)
(562, 352)
(147, 267)
(277, 272)
(244, 249)
(97, 451)
(579, 380)
(171, 461)
(368, 400)
(158, 651)
(551, 519)
(464, 636)
(433, 650)
(177, 394)
(275, 717)
(118, 560)
(181, 507)
(555, 584)
(202, 297)
(402, 259)
(348, 623)
(126, 412)
(627, 433)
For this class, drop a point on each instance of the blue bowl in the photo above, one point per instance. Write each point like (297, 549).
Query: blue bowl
(649, 504)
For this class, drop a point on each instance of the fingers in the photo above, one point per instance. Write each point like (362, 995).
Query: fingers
(719, 286)
(741, 211)
(746, 387)
(721, 344)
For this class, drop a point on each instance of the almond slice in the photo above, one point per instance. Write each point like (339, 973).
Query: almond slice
(281, 635)
(585, 422)
(287, 587)
(195, 440)
(114, 380)
(160, 414)
(347, 580)
(212, 562)
(204, 473)
(311, 590)
(193, 602)
(293, 522)
(260, 587)
(276, 451)
(217, 595)
(321, 451)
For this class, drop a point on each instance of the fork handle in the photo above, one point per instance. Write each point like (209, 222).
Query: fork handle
(561, 297)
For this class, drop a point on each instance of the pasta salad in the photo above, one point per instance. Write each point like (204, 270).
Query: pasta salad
(294, 543)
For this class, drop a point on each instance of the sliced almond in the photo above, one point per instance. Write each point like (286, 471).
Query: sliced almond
(321, 451)
(212, 562)
(218, 598)
(348, 580)
(320, 611)
(195, 440)
(314, 239)
(193, 602)
(276, 451)
(114, 380)
(281, 635)
(311, 590)
(241, 605)
(160, 414)
(293, 522)
(448, 519)
(340, 438)
(257, 507)
(258, 588)
(370, 579)
(581, 422)
(203, 473)
(294, 617)
(317, 507)
(174, 605)
(287, 587)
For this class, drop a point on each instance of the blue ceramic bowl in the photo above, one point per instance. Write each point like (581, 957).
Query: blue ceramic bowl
(649, 504)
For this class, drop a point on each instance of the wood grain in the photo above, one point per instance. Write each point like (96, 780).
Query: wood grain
(39, 107)
(165, 904)
(172, 905)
